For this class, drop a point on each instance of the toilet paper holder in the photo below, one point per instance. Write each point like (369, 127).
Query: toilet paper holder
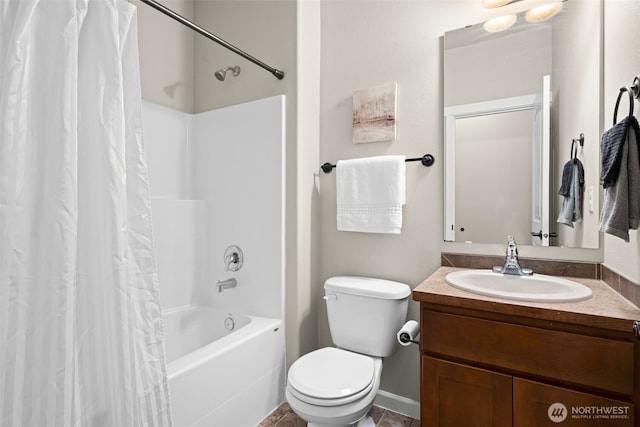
(408, 333)
(405, 338)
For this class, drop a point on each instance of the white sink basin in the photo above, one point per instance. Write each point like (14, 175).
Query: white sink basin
(536, 288)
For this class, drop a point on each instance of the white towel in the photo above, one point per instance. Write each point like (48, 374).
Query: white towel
(370, 193)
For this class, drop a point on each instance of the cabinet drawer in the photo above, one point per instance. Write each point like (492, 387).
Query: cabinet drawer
(600, 363)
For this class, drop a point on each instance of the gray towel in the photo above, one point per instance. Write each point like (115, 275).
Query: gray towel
(621, 208)
(567, 173)
(572, 189)
(611, 149)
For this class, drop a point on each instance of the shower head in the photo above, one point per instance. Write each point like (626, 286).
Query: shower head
(221, 73)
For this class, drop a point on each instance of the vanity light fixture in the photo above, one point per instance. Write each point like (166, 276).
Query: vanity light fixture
(544, 12)
(492, 4)
(499, 23)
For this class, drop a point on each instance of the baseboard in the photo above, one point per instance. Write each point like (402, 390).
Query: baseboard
(399, 404)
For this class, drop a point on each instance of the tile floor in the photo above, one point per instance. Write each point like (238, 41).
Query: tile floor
(283, 416)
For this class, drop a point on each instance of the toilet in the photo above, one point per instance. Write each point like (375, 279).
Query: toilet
(336, 386)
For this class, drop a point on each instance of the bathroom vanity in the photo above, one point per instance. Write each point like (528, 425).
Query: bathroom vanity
(496, 362)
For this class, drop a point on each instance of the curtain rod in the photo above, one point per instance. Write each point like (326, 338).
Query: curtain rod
(170, 13)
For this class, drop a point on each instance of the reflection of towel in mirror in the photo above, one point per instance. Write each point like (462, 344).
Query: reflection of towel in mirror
(571, 189)
(621, 207)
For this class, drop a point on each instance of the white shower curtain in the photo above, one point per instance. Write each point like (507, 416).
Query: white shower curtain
(80, 327)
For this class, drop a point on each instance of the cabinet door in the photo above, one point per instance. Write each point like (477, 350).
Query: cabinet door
(454, 395)
(539, 405)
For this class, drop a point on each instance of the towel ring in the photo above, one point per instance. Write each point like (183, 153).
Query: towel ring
(615, 110)
(574, 146)
(635, 87)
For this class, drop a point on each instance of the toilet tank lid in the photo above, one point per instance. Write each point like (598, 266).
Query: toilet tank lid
(368, 287)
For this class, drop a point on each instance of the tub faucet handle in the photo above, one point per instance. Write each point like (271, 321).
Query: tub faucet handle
(233, 258)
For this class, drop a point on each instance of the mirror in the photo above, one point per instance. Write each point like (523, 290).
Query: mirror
(513, 103)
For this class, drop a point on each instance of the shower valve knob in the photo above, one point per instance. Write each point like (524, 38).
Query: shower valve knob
(233, 258)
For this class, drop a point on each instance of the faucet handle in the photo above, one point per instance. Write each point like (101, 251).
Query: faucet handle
(512, 248)
(233, 258)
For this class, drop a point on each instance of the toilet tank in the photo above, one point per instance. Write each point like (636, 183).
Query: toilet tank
(366, 313)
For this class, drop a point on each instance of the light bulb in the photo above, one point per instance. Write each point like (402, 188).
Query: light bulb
(492, 4)
(500, 23)
(544, 12)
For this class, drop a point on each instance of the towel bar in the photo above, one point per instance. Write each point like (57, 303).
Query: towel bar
(426, 160)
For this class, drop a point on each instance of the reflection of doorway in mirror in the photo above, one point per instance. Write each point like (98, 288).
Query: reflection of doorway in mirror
(493, 192)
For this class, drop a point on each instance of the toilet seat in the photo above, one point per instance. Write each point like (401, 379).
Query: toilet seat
(331, 377)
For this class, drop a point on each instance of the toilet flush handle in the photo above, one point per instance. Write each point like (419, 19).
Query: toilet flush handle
(330, 297)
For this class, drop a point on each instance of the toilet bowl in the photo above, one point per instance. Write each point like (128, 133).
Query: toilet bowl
(334, 387)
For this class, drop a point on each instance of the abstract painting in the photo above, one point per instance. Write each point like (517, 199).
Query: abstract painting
(374, 114)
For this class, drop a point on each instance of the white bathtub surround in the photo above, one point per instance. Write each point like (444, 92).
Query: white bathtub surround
(219, 377)
(192, 327)
(80, 327)
(168, 135)
(180, 249)
(225, 188)
(230, 165)
(239, 173)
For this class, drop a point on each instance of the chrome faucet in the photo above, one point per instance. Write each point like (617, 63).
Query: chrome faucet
(511, 264)
(226, 284)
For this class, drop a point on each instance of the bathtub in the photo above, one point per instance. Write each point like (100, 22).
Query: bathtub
(224, 369)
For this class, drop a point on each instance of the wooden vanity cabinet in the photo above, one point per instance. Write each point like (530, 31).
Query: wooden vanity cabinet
(455, 395)
(492, 369)
(532, 401)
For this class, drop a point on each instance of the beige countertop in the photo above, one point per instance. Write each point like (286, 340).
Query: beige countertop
(606, 309)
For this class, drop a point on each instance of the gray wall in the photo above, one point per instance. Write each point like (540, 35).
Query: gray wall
(166, 50)
(366, 44)
(574, 111)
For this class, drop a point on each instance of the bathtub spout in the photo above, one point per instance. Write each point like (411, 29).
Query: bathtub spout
(226, 284)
